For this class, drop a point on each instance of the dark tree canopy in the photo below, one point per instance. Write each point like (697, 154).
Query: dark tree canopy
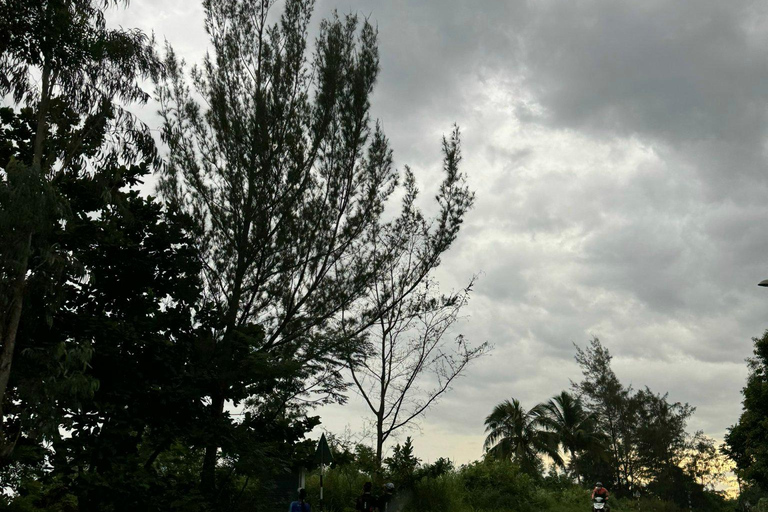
(134, 328)
(519, 435)
(105, 352)
(73, 75)
(632, 441)
(645, 434)
(747, 441)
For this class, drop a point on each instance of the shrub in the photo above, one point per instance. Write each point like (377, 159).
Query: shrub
(444, 493)
(341, 485)
(499, 485)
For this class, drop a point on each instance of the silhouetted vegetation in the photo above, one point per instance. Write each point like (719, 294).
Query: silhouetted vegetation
(489, 485)
(166, 353)
(632, 441)
(747, 441)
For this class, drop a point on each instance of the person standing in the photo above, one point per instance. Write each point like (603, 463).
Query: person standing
(301, 504)
(366, 502)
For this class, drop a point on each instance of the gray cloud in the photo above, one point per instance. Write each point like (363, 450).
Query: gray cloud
(678, 70)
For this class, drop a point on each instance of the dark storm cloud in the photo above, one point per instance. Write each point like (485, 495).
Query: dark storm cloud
(431, 54)
(682, 71)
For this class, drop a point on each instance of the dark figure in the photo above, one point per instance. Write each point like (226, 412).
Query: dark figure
(366, 502)
(301, 504)
(386, 497)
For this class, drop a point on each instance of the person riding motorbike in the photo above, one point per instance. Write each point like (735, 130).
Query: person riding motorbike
(600, 496)
(386, 497)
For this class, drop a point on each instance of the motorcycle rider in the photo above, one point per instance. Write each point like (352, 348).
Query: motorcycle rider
(601, 492)
(386, 497)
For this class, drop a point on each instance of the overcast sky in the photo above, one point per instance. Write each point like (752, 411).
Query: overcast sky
(618, 154)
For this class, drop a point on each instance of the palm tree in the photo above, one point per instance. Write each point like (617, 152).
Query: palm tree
(517, 434)
(575, 428)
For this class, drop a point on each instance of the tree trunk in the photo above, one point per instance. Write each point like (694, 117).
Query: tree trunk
(223, 353)
(384, 380)
(10, 325)
(9, 344)
(208, 474)
(379, 444)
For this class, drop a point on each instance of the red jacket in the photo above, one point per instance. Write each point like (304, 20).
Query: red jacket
(602, 491)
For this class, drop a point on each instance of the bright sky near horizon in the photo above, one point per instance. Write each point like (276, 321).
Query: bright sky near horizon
(618, 154)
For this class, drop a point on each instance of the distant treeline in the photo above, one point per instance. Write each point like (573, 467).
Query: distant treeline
(484, 486)
(632, 441)
(550, 456)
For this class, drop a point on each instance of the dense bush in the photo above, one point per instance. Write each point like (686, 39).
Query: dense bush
(444, 492)
(342, 487)
(499, 485)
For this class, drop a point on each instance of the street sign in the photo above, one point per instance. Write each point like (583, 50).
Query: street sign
(323, 456)
(323, 453)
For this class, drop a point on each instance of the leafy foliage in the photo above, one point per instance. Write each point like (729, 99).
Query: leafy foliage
(645, 433)
(747, 441)
(492, 485)
(519, 435)
(402, 465)
(634, 441)
(576, 430)
(68, 74)
(116, 356)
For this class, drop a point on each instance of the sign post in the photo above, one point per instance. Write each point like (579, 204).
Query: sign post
(323, 456)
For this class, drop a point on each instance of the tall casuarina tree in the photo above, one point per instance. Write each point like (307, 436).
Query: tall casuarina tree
(288, 179)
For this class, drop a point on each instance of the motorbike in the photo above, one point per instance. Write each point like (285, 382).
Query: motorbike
(599, 503)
